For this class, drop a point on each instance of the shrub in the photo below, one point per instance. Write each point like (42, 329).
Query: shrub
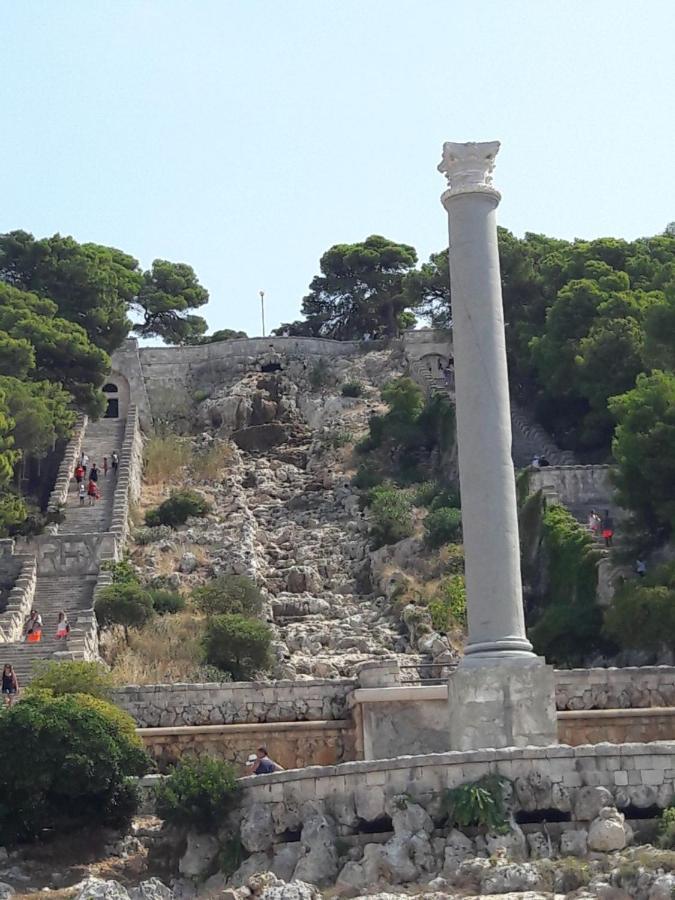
(143, 536)
(166, 602)
(72, 677)
(319, 375)
(666, 833)
(229, 594)
(352, 389)
(391, 515)
(164, 456)
(200, 395)
(64, 764)
(237, 645)
(448, 608)
(129, 605)
(642, 614)
(425, 493)
(445, 497)
(443, 525)
(337, 438)
(177, 509)
(478, 803)
(170, 650)
(123, 572)
(367, 476)
(199, 793)
(451, 558)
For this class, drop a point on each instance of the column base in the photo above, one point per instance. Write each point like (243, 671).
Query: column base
(503, 702)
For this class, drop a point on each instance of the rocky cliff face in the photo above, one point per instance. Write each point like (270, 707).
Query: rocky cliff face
(286, 514)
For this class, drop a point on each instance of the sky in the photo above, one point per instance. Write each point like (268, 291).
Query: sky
(246, 137)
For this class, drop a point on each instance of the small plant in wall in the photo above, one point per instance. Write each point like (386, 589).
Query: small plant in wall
(478, 804)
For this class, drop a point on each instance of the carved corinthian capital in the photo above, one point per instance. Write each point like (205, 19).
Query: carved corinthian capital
(468, 168)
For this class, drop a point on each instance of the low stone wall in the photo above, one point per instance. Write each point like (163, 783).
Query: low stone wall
(71, 455)
(575, 486)
(20, 599)
(170, 705)
(639, 775)
(128, 484)
(292, 744)
(615, 688)
(617, 726)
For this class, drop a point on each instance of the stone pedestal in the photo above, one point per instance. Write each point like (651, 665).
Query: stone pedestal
(510, 703)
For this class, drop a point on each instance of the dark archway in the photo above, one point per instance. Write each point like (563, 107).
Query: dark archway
(113, 408)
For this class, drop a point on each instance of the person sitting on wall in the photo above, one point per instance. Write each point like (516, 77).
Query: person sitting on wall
(259, 763)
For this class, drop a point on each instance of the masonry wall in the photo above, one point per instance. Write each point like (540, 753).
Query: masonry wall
(576, 486)
(169, 705)
(615, 688)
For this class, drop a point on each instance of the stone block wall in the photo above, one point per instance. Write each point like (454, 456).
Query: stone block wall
(20, 597)
(71, 455)
(292, 744)
(575, 486)
(170, 705)
(618, 726)
(629, 688)
(128, 485)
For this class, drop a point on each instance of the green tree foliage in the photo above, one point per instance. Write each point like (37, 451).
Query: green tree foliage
(127, 604)
(359, 291)
(237, 645)
(448, 607)
(443, 526)
(428, 290)
(60, 351)
(642, 614)
(199, 793)
(223, 334)
(96, 287)
(644, 449)
(168, 293)
(177, 509)
(391, 515)
(65, 763)
(72, 677)
(166, 602)
(229, 594)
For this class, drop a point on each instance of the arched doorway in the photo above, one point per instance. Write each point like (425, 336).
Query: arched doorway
(112, 395)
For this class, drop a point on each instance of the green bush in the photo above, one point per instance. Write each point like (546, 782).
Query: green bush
(177, 509)
(123, 572)
(391, 515)
(143, 536)
(478, 804)
(166, 602)
(72, 677)
(238, 645)
(443, 526)
(642, 614)
(199, 794)
(445, 497)
(352, 389)
(229, 594)
(451, 558)
(425, 493)
(126, 604)
(368, 475)
(200, 395)
(666, 833)
(448, 607)
(64, 764)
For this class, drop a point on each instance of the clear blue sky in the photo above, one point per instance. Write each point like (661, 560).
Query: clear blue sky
(245, 137)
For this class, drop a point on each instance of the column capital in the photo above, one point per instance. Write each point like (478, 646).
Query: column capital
(468, 169)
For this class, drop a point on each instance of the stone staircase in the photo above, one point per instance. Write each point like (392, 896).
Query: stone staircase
(100, 439)
(71, 593)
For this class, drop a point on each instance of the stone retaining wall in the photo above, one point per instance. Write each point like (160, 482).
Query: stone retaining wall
(615, 688)
(20, 599)
(575, 486)
(128, 484)
(618, 726)
(71, 455)
(292, 744)
(170, 705)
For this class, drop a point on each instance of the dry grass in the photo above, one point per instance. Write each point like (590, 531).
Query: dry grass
(167, 650)
(164, 456)
(208, 464)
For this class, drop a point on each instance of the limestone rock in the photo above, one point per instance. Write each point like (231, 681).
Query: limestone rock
(285, 859)
(268, 887)
(396, 864)
(152, 889)
(589, 801)
(6, 891)
(199, 857)
(188, 563)
(98, 889)
(458, 847)
(512, 844)
(369, 802)
(318, 860)
(663, 888)
(540, 845)
(510, 877)
(607, 832)
(257, 828)
(574, 843)
(409, 818)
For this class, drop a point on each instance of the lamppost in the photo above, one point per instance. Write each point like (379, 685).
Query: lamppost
(262, 310)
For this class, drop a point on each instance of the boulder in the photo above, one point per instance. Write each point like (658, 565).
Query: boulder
(395, 861)
(152, 889)
(200, 856)
(188, 563)
(303, 579)
(607, 832)
(540, 846)
(369, 801)
(285, 859)
(257, 828)
(512, 844)
(318, 862)
(6, 891)
(458, 847)
(663, 887)
(259, 438)
(501, 879)
(408, 817)
(589, 801)
(98, 889)
(574, 842)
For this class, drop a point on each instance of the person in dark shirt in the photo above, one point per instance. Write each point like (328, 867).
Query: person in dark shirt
(261, 764)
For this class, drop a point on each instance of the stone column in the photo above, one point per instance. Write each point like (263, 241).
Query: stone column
(497, 645)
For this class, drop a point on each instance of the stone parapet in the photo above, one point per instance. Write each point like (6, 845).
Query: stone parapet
(71, 455)
(612, 688)
(618, 726)
(170, 705)
(127, 488)
(20, 599)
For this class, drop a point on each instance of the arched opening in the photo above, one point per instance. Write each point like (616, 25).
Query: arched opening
(112, 392)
